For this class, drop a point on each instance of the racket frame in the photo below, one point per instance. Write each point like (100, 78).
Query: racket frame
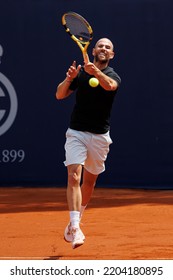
(82, 45)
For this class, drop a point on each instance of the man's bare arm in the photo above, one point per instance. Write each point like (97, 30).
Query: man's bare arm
(106, 82)
(63, 89)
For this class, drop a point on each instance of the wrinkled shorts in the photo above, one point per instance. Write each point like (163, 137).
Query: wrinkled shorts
(87, 149)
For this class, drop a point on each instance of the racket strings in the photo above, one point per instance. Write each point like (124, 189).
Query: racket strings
(78, 28)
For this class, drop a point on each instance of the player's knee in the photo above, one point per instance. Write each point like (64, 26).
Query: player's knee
(73, 179)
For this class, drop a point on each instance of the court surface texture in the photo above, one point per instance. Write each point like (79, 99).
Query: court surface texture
(119, 224)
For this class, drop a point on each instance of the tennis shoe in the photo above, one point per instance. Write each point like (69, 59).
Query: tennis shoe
(77, 238)
(68, 233)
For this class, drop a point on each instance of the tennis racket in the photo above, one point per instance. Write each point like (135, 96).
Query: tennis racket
(79, 30)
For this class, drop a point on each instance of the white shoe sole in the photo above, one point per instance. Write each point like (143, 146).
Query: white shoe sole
(76, 245)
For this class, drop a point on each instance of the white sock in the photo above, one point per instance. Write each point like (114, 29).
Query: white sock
(74, 218)
(82, 210)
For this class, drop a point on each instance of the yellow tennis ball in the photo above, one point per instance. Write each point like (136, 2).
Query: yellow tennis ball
(93, 82)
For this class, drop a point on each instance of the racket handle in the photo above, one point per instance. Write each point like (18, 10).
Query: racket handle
(86, 58)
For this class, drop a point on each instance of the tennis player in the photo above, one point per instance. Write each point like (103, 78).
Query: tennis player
(88, 136)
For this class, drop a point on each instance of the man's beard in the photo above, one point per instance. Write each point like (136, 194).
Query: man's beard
(100, 61)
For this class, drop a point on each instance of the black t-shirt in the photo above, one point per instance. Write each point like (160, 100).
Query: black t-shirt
(93, 104)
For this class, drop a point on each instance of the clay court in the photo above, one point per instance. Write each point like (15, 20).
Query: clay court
(118, 224)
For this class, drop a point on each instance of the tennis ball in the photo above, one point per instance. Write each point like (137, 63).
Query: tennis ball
(93, 82)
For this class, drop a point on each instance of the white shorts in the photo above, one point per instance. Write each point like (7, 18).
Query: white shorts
(87, 149)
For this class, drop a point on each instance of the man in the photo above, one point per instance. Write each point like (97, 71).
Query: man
(87, 138)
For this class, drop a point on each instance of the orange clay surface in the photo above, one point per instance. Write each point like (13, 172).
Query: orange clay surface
(129, 224)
